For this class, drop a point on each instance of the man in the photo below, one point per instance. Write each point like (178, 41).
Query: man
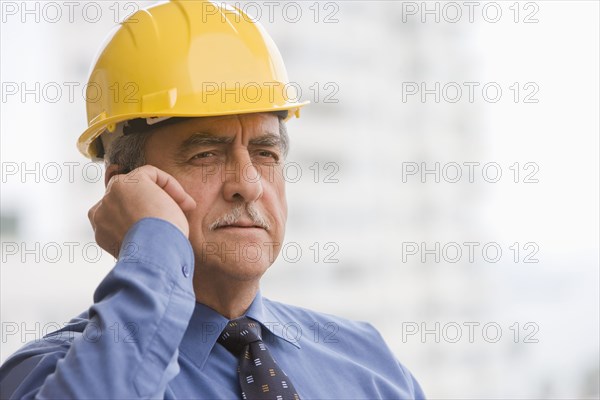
(195, 213)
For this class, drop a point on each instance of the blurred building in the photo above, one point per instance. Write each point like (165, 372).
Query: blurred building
(353, 208)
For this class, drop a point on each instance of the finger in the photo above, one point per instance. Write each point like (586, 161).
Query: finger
(92, 213)
(113, 179)
(173, 188)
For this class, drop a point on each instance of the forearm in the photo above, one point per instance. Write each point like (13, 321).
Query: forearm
(141, 310)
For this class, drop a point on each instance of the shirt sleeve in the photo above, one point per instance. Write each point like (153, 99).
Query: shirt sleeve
(407, 381)
(415, 388)
(128, 347)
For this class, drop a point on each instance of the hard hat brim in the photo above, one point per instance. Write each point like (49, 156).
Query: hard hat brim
(86, 144)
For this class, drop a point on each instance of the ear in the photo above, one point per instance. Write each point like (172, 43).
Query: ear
(111, 170)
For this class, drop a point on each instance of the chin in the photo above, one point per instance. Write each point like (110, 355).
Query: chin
(229, 268)
(240, 254)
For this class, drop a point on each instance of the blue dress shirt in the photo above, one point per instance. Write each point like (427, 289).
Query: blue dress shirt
(146, 337)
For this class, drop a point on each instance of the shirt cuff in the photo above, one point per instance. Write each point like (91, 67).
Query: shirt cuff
(157, 242)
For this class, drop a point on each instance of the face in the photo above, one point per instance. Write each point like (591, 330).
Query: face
(232, 166)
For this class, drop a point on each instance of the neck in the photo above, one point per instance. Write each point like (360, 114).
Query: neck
(230, 298)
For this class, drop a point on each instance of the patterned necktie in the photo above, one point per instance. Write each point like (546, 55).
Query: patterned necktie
(259, 375)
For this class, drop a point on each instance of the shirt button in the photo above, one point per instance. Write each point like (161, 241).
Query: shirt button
(185, 270)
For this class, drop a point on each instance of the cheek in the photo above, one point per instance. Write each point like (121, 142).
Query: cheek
(275, 200)
(280, 193)
(283, 197)
(205, 194)
(283, 205)
(198, 185)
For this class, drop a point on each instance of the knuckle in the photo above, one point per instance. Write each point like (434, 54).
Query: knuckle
(114, 180)
(92, 212)
(145, 169)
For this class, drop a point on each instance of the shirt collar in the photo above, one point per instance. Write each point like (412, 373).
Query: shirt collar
(206, 325)
(260, 312)
(202, 333)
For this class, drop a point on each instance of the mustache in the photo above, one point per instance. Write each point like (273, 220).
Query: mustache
(241, 210)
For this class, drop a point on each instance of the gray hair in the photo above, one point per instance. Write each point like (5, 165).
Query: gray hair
(127, 151)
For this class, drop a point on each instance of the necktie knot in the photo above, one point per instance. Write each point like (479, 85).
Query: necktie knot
(238, 333)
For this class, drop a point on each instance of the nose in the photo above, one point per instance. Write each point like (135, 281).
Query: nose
(242, 181)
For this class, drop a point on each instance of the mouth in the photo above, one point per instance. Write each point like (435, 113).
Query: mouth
(243, 224)
(240, 226)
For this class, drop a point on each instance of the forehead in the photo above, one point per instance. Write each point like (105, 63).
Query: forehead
(246, 125)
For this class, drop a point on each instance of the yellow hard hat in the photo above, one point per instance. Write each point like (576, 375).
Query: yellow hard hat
(184, 59)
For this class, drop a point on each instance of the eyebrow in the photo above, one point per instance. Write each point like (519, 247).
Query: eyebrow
(268, 139)
(201, 139)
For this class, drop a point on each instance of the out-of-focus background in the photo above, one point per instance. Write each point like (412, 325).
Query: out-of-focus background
(442, 185)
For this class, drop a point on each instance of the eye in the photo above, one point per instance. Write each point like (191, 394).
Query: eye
(204, 154)
(268, 154)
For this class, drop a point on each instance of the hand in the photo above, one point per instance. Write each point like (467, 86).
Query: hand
(144, 192)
